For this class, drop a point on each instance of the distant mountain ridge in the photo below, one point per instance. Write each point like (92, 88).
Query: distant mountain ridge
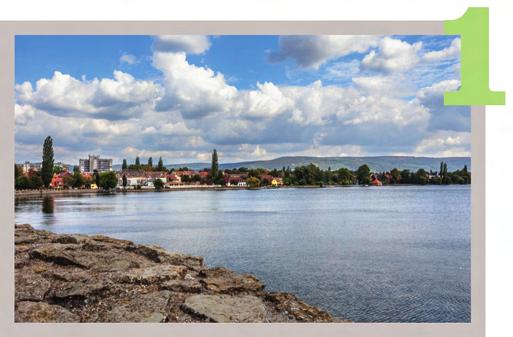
(376, 163)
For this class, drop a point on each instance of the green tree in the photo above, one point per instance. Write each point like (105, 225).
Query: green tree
(137, 162)
(446, 179)
(78, 179)
(396, 176)
(253, 182)
(125, 181)
(214, 169)
(68, 181)
(421, 177)
(36, 182)
(17, 174)
(363, 174)
(48, 162)
(108, 180)
(76, 169)
(159, 184)
(150, 163)
(344, 176)
(23, 183)
(405, 176)
(124, 166)
(160, 165)
(96, 177)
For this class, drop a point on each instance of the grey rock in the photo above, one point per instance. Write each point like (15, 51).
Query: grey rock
(42, 312)
(152, 274)
(225, 308)
(221, 280)
(32, 287)
(149, 308)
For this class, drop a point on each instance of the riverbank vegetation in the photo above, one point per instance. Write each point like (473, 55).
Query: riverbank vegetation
(158, 177)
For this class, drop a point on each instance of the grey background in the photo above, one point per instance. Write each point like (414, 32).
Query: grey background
(7, 32)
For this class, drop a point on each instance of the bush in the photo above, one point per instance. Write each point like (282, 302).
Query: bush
(108, 180)
(159, 184)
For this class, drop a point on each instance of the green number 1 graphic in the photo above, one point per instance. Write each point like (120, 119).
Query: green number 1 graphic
(474, 90)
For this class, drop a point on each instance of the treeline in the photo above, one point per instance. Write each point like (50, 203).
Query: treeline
(146, 167)
(313, 175)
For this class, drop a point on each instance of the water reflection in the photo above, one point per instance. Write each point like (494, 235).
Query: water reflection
(48, 204)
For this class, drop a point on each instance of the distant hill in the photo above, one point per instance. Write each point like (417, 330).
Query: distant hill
(379, 163)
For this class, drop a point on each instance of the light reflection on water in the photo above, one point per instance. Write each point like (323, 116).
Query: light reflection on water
(366, 254)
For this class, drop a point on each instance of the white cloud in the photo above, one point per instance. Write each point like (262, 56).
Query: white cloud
(342, 70)
(445, 144)
(259, 152)
(195, 91)
(267, 101)
(392, 55)
(117, 98)
(432, 92)
(128, 59)
(455, 118)
(311, 51)
(452, 51)
(191, 44)
(194, 109)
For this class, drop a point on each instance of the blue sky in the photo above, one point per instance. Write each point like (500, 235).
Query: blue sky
(251, 97)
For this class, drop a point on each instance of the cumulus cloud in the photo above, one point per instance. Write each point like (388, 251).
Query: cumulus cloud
(455, 118)
(192, 109)
(445, 144)
(128, 59)
(191, 44)
(311, 51)
(111, 98)
(392, 55)
(195, 91)
(342, 70)
(452, 51)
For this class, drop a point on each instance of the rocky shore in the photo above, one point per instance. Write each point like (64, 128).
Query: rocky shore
(79, 278)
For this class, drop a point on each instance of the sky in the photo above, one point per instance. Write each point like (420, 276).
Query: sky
(250, 97)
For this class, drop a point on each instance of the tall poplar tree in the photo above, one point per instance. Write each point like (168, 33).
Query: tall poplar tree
(124, 166)
(47, 163)
(160, 165)
(214, 169)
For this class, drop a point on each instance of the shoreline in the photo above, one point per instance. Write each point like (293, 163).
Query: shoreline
(95, 278)
(29, 194)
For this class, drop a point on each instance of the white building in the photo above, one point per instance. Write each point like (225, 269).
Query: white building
(242, 184)
(27, 166)
(89, 165)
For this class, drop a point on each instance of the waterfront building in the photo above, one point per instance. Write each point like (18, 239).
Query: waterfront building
(182, 173)
(139, 178)
(93, 163)
(58, 180)
(28, 166)
(277, 182)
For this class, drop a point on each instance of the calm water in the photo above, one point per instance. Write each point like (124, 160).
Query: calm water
(391, 254)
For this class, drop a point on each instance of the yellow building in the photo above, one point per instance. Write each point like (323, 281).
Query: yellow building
(276, 182)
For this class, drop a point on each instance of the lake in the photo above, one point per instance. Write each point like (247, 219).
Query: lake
(386, 254)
